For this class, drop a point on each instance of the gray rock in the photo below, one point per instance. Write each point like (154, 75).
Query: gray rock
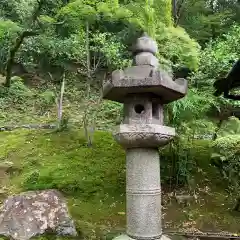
(5, 166)
(34, 213)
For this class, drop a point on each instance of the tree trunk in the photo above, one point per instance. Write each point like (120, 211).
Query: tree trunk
(12, 54)
(174, 10)
(60, 103)
(20, 40)
(88, 132)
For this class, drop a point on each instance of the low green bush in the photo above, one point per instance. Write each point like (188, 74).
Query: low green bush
(181, 159)
(226, 151)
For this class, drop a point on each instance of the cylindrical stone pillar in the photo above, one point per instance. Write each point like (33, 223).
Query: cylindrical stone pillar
(143, 193)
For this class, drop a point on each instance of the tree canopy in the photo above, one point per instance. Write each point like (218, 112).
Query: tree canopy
(60, 30)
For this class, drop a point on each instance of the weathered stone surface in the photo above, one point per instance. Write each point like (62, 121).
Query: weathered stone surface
(27, 126)
(144, 89)
(145, 44)
(33, 213)
(144, 135)
(126, 237)
(144, 79)
(5, 166)
(142, 109)
(146, 59)
(143, 193)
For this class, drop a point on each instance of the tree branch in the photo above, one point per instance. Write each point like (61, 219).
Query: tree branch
(178, 12)
(37, 11)
(13, 52)
(174, 10)
(19, 42)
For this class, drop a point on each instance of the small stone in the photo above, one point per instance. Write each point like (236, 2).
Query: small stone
(32, 213)
(123, 237)
(6, 165)
(164, 237)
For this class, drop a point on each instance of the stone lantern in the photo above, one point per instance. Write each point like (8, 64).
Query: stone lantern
(143, 89)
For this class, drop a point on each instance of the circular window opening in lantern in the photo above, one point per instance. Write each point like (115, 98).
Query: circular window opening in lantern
(139, 108)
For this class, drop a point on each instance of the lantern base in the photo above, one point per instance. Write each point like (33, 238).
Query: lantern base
(126, 237)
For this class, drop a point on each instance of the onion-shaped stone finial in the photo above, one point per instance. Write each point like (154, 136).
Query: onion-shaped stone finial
(145, 44)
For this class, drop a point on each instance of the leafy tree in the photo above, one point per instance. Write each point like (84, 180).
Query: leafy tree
(216, 59)
(61, 27)
(206, 20)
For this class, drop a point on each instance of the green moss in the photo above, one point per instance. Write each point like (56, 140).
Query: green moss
(93, 179)
(64, 162)
(200, 151)
(11, 142)
(54, 237)
(3, 238)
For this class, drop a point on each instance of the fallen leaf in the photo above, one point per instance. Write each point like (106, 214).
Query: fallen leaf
(121, 213)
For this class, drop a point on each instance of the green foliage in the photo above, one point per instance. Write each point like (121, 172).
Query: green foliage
(18, 94)
(159, 11)
(8, 31)
(85, 40)
(63, 161)
(228, 145)
(95, 176)
(52, 237)
(227, 150)
(111, 26)
(216, 57)
(214, 63)
(48, 97)
(181, 159)
(7, 27)
(190, 110)
(155, 18)
(77, 12)
(111, 50)
(230, 127)
(208, 20)
(174, 43)
(163, 11)
(105, 114)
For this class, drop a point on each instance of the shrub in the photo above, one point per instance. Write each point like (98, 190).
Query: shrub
(227, 152)
(181, 158)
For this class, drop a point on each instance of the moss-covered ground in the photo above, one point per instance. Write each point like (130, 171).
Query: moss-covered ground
(93, 181)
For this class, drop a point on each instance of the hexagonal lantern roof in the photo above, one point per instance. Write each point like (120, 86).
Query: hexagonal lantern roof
(144, 76)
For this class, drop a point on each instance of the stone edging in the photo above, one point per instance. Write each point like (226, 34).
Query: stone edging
(27, 126)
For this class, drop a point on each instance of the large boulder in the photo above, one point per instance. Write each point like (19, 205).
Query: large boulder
(34, 213)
